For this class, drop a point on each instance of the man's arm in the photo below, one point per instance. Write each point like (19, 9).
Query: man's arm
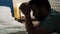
(26, 9)
(29, 26)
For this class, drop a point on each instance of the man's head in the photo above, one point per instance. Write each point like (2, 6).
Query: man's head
(40, 8)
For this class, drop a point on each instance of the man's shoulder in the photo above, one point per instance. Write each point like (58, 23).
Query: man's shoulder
(53, 12)
(53, 15)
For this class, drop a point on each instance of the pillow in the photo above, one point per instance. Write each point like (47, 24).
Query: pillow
(5, 13)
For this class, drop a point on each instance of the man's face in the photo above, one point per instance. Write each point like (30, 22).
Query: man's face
(39, 13)
(35, 10)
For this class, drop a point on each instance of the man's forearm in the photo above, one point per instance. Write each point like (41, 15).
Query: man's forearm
(29, 26)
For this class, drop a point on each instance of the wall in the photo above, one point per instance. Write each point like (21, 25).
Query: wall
(55, 4)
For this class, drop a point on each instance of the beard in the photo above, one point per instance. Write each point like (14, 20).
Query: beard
(40, 17)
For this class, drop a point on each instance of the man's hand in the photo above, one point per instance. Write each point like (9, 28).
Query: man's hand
(25, 8)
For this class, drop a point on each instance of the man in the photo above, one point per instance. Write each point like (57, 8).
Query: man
(49, 19)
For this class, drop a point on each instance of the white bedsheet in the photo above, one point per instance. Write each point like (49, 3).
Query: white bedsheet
(7, 22)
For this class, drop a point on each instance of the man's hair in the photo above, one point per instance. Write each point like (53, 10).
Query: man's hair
(40, 3)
